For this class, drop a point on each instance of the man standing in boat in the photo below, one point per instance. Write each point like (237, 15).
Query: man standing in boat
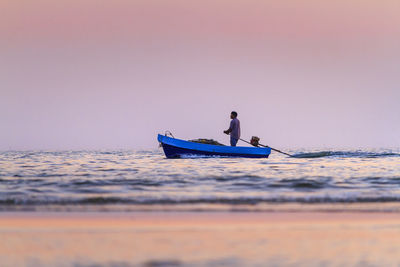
(234, 129)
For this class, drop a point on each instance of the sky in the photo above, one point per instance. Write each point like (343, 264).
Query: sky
(95, 74)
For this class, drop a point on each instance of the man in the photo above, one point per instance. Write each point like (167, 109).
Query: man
(234, 129)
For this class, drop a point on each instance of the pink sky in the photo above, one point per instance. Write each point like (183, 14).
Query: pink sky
(112, 74)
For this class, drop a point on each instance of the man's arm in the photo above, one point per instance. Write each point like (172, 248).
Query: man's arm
(230, 128)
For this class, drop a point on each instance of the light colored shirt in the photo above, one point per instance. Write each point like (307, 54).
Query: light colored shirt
(234, 128)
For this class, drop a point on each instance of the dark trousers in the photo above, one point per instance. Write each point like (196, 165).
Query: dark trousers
(234, 141)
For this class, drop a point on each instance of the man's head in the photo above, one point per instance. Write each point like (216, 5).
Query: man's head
(233, 114)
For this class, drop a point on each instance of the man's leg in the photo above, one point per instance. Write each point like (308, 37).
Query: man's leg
(234, 141)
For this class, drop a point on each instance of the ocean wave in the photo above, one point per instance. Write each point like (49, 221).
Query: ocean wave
(226, 201)
(345, 154)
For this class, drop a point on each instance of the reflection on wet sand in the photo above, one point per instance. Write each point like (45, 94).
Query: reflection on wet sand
(206, 238)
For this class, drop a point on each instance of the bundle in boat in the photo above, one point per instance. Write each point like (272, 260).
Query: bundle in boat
(206, 141)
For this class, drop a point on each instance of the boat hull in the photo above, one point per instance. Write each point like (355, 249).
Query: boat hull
(176, 148)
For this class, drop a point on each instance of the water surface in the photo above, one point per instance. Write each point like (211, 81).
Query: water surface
(146, 178)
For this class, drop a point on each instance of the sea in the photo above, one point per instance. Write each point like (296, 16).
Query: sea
(125, 180)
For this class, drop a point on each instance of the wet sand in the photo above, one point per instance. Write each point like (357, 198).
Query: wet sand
(199, 239)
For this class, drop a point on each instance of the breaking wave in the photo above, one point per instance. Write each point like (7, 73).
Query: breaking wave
(345, 154)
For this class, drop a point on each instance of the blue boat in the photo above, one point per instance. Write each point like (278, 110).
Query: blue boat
(177, 148)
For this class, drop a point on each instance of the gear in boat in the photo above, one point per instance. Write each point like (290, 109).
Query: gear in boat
(206, 141)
